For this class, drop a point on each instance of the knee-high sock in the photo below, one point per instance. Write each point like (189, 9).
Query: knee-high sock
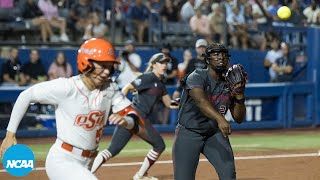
(152, 156)
(106, 154)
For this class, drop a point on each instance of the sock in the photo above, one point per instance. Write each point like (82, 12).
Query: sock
(106, 154)
(152, 156)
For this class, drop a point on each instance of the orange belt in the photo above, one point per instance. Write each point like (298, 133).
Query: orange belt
(84, 153)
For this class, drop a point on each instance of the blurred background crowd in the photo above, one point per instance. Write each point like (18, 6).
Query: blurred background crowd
(160, 25)
(232, 22)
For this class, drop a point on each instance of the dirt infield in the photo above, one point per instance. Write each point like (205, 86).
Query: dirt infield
(255, 168)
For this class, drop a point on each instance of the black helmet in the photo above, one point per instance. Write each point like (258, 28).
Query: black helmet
(218, 48)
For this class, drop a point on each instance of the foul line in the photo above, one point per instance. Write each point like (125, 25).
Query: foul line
(203, 160)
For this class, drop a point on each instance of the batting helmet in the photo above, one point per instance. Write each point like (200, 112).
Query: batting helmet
(95, 50)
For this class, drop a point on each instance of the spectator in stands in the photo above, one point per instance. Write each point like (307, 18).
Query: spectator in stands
(237, 29)
(198, 62)
(187, 56)
(137, 19)
(11, 68)
(257, 12)
(229, 4)
(79, 15)
(312, 12)
(195, 63)
(128, 71)
(187, 10)
(255, 36)
(200, 26)
(170, 12)
(50, 12)
(172, 66)
(297, 17)
(96, 29)
(34, 17)
(59, 67)
(273, 8)
(9, 10)
(120, 11)
(33, 72)
(283, 66)
(134, 58)
(130, 64)
(271, 57)
(5, 53)
(217, 22)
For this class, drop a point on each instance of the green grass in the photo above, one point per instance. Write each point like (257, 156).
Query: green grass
(239, 143)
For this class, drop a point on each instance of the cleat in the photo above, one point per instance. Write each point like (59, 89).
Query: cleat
(145, 177)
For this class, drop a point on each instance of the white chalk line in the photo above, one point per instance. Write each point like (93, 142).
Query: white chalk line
(203, 160)
(169, 149)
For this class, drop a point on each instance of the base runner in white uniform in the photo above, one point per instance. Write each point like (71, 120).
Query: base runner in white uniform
(83, 103)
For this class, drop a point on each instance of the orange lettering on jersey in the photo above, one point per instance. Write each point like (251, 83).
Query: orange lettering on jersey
(91, 120)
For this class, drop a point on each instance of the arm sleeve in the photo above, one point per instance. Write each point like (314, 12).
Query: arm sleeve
(49, 92)
(195, 81)
(119, 101)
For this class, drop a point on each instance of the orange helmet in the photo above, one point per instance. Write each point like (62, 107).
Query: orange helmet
(96, 50)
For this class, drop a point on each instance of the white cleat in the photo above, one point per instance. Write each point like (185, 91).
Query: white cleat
(145, 177)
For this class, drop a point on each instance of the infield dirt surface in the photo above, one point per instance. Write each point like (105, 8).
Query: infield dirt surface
(285, 168)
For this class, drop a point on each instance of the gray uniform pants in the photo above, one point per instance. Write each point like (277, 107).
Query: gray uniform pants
(121, 137)
(187, 148)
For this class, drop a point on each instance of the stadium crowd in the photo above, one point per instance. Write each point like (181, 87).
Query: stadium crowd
(209, 21)
(78, 20)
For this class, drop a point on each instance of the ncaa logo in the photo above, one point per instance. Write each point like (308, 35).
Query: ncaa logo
(18, 160)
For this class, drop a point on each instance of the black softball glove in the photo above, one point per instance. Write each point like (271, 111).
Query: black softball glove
(236, 79)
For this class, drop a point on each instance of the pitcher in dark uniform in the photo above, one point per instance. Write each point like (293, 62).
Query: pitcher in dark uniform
(202, 127)
(149, 90)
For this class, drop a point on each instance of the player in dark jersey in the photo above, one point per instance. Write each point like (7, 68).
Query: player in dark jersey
(202, 127)
(149, 90)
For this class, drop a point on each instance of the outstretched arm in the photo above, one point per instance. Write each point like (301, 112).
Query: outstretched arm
(128, 88)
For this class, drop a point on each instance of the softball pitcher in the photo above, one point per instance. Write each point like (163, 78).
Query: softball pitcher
(83, 103)
(150, 89)
(202, 127)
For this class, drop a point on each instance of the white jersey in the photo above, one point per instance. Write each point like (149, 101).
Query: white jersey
(81, 114)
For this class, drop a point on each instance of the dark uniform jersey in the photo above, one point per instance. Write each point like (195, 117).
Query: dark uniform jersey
(190, 115)
(150, 90)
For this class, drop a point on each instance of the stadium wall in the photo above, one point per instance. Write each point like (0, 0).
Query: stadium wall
(269, 105)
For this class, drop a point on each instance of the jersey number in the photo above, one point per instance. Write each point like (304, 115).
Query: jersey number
(222, 110)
